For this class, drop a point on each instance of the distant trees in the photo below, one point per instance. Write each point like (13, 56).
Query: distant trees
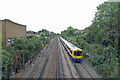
(69, 32)
(100, 39)
(47, 33)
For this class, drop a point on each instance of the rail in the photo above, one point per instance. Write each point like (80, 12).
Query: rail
(76, 65)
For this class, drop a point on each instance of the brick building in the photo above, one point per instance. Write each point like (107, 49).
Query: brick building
(11, 30)
(0, 36)
(31, 33)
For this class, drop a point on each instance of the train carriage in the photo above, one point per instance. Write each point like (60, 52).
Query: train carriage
(75, 52)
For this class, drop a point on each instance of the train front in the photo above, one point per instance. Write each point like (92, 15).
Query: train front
(77, 55)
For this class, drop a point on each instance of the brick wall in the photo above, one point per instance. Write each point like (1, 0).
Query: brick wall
(12, 30)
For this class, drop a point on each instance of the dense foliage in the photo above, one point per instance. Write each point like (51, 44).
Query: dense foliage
(18, 53)
(46, 33)
(15, 55)
(104, 29)
(100, 40)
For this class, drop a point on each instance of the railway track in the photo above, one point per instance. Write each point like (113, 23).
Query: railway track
(68, 65)
(50, 69)
(83, 73)
(60, 71)
(69, 70)
(42, 70)
(81, 70)
(55, 62)
(37, 70)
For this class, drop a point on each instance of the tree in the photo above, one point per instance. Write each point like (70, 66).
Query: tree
(6, 64)
(104, 29)
(71, 30)
(101, 39)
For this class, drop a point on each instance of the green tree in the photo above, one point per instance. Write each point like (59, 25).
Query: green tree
(6, 64)
(104, 29)
(71, 30)
(100, 39)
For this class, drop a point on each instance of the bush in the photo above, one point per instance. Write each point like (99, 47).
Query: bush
(18, 53)
(104, 58)
(6, 64)
(106, 62)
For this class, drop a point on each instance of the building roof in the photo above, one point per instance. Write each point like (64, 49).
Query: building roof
(32, 32)
(14, 22)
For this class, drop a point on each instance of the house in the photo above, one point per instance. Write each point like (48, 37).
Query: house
(11, 30)
(77, 31)
(31, 33)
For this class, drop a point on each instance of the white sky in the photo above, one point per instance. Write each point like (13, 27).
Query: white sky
(53, 15)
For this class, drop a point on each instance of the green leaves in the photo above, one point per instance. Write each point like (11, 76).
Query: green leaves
(100, 39)
(106, 62)
(14, 56)
(104, 28)
(6, 64)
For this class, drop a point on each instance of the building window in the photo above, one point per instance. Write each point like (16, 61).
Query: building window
(13, 40)
(9, 40)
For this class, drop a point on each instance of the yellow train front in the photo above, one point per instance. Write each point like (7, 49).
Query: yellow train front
(77, 55)
(74, 52)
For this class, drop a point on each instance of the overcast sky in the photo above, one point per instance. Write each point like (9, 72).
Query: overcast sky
(53, 15)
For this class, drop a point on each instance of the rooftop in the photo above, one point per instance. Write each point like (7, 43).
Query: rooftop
(13, 22)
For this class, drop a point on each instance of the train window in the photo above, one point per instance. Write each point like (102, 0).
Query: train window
(77, 53)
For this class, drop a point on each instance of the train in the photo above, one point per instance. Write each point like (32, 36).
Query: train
(74, 52)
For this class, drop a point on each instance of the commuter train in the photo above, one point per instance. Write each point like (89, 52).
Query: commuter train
(74, 52)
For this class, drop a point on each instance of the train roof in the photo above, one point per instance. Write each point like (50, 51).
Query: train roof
(71, 46)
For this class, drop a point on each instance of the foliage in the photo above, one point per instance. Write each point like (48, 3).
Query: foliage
(104, 29)
(15, 55)
(100, 39)
(70, 32)
(107, 62)
(46, 35)
(6, 64)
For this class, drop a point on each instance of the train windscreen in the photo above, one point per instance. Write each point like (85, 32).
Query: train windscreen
(77, 53)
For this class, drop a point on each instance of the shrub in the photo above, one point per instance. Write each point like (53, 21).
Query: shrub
(6, 64)
(18, 53)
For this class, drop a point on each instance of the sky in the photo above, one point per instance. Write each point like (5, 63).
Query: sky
(53, 15)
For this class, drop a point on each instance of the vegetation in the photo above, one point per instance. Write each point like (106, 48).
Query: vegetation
(46, 33)
(0, 53)
(100, 40)
(18, 53)
(15, 55)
